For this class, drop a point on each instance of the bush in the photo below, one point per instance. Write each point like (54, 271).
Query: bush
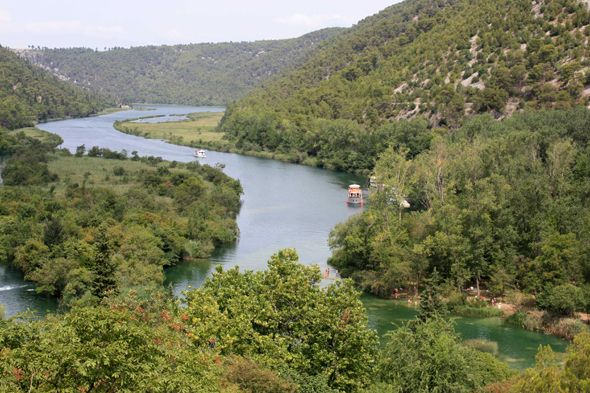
(518, 318)
(456, 300)
(252, 377)
(548, 323)
(563, 299)
(119, 171)
(428, 357)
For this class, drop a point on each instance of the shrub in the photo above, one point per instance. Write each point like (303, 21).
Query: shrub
(563, 299)
(252, 377)
(548, 323)
(119, 171)
(518, 318)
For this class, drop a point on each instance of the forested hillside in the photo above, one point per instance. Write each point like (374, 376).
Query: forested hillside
(442, 60)
(195, 74)
(29, 94)
(503, 203)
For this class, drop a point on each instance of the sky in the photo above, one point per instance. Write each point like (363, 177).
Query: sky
(125, 23)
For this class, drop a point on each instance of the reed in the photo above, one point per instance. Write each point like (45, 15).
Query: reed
(483, 345)
(479, 312)
(547, 323)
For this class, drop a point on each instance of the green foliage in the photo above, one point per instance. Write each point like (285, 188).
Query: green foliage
(549, 376)
(503, 202)
(254, 378)
(564, 299)
(431, 305)
(436, 61)
(281, 316)
(76, 238)
(124, 345)
(480, 312)
(429, 356)
(29, 94)
(548, 322)
(194, 74)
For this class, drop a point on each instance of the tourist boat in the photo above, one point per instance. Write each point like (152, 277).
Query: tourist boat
(200, 153)
(355, 195)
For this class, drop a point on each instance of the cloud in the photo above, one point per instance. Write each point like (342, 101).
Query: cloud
(312, 20)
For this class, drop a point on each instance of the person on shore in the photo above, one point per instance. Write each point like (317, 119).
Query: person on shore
(396, 292)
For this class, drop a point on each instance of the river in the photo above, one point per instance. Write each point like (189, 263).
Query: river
(284, 205)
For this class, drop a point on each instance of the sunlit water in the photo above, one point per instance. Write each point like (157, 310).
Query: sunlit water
(284, 206)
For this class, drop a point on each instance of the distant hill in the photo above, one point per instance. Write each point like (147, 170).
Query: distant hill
(29, 93)
(438, 60)
(196, 74)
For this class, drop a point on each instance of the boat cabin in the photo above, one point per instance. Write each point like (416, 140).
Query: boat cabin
(355, 194)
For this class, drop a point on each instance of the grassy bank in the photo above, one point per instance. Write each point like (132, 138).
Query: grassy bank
(108, 111)
(548, 323)
(46, 138)
(118, 175)
(201, 131)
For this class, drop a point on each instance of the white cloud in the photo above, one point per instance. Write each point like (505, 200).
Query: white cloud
(312, 20)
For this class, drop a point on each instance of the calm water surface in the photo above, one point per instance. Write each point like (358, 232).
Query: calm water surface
(284, 205)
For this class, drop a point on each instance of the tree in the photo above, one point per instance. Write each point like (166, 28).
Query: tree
(431, 305)
(80, 150)
(548, 376)
(281, 316)
(393, 179)
(429, 357)
(105, 282)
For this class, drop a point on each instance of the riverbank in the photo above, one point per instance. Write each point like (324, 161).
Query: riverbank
(201, 130)
(521, 313)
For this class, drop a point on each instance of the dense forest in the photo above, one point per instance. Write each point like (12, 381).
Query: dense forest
(126, 218)
(195, 74)
(503, 203)
(29, 94)
(440, 60)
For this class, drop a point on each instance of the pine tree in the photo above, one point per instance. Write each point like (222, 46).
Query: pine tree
(431, 304)
(104, 268)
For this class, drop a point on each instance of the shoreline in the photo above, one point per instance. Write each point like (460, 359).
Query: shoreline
(292, 158)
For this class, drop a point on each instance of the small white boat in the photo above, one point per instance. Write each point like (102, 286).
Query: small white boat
(355, 195)
(200, 153)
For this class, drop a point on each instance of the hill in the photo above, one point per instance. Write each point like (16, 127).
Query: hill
(29, 93)
(435, 62)
(195, 74)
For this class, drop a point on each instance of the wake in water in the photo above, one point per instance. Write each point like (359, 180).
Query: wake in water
(11, 287)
